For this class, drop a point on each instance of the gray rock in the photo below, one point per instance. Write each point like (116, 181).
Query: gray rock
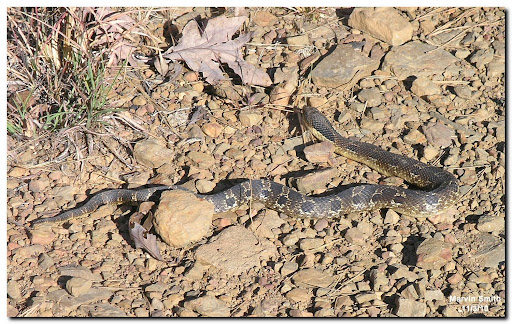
(344, 66)
(66, 303)
(439, 135)
(289, 267)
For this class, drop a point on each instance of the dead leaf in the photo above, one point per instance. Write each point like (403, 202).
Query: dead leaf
(203, 51)
(142, 238)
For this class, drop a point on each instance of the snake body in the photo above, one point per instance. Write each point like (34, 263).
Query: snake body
(438, 189)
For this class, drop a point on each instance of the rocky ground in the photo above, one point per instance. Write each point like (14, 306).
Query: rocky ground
(430, 86)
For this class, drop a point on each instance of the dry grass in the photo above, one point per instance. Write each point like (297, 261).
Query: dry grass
(57, 77)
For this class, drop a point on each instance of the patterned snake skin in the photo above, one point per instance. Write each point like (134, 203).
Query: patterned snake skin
(439, 188)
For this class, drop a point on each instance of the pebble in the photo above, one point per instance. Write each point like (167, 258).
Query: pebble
(202, 160)
(204, 186)
(13, 290)
(298, 40)
(439, 135)
(139, 101)
(316, 180)
(182, 218)
(414, 137)
(42, 235)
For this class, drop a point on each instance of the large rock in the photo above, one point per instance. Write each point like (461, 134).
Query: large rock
(235, 250)
(384, 23)
(343, 67)
(182, 218)
(417, 59)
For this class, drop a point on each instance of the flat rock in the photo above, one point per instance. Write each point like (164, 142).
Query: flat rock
(79, 272)
(235, 250)
(486, 249)
(208, 306)
(433, 254)
(344, 66)
(372, 97)
(312, 278)
(384, 23)
(410, 308)
(152, 153)
(415, 59)
(103, 310)
(316, 180)
(66, 303)
(181, 218)
(78, 286)
(439, 135)
(424, 87)
(490, 223)
(202, 160)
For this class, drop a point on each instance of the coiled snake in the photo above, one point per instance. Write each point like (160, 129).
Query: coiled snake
(438, 191)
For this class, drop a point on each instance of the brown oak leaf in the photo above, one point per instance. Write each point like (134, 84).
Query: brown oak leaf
(203, 51)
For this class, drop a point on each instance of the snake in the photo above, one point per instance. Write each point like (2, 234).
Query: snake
(431, 192)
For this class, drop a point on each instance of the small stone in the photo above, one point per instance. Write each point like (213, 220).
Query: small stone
(139, 101)
(319, 152)
(235, 250)
(289, 267)
(78, 286)
(298, 295)
(13, 290)
(208, 306)
(321, 224)
(424, 87)
(248, 118)
(202, 160)
(312, 278)
(264, 18)
(311, 243)
(372, 97)
(316, 180)
(42, 236)
(79, 272)
(439, 135)
(436, 294)
(152, 153)
(455, 278)
(410, 308)
(204, 186)
(414, 137)
(392, 217)
(355, 236)
(433, 254)
(430, 152)
(298, 40)
(466, 92)
(212, 129)
(365, 297)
